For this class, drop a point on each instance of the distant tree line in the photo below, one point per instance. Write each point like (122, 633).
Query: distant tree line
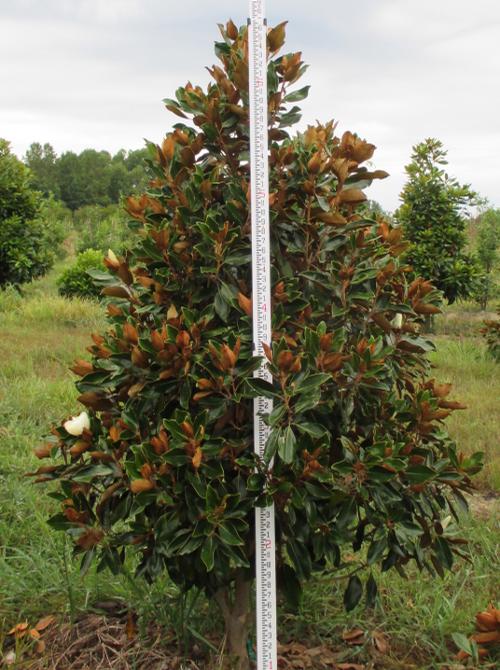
(50, 197)
(89, 178)
(47, 199)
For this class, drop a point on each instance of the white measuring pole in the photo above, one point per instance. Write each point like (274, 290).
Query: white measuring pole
(265, 547)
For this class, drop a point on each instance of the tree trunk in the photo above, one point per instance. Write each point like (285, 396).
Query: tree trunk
(237, 619)
(429, 324)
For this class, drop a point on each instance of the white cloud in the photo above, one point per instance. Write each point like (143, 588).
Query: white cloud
(81, 73)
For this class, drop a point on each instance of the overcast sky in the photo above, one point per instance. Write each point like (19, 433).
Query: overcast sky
(92, 73)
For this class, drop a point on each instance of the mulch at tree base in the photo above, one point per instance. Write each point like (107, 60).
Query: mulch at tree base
(98, 642)
(104, 642)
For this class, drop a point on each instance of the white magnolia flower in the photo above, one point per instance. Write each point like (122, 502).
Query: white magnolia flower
(397, 322)
(77, 424)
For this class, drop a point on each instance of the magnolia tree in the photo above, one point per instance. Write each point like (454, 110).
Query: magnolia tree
(161, 463)
(433, 214)
(25, 245)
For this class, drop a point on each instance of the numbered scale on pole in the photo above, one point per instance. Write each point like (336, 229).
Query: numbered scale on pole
(265, 547)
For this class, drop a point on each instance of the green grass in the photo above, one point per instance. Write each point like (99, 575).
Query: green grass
(462, 324)
(465, 363)
(417, 615)
(464, 319)
(41, 334)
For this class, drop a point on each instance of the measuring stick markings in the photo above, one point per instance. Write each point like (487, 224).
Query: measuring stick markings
(261, 299)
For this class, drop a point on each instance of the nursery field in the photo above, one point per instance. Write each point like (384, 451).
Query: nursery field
(411, 627)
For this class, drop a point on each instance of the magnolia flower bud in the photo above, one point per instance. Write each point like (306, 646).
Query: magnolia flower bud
(77, 424)
(172, 312)
(111, 261)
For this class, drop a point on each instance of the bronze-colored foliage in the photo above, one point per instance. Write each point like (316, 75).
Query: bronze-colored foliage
(487, 634)
(361, 456)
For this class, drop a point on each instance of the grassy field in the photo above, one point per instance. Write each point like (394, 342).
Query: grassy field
(476, 382)
(40, 335)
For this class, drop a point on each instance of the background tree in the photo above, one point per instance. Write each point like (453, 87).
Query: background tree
(433, 218)
(84, 179)
(488, 242)
(102, 228)
(25, 244)
(88, 178)
(76, 280)
(71, 180)
(136, 175)
(42, 162)
(374, 209)
(58, 222)
(164, 466)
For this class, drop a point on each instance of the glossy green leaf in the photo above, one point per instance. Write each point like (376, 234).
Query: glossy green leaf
(287, 445)
(208, 553)
(353, 593)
